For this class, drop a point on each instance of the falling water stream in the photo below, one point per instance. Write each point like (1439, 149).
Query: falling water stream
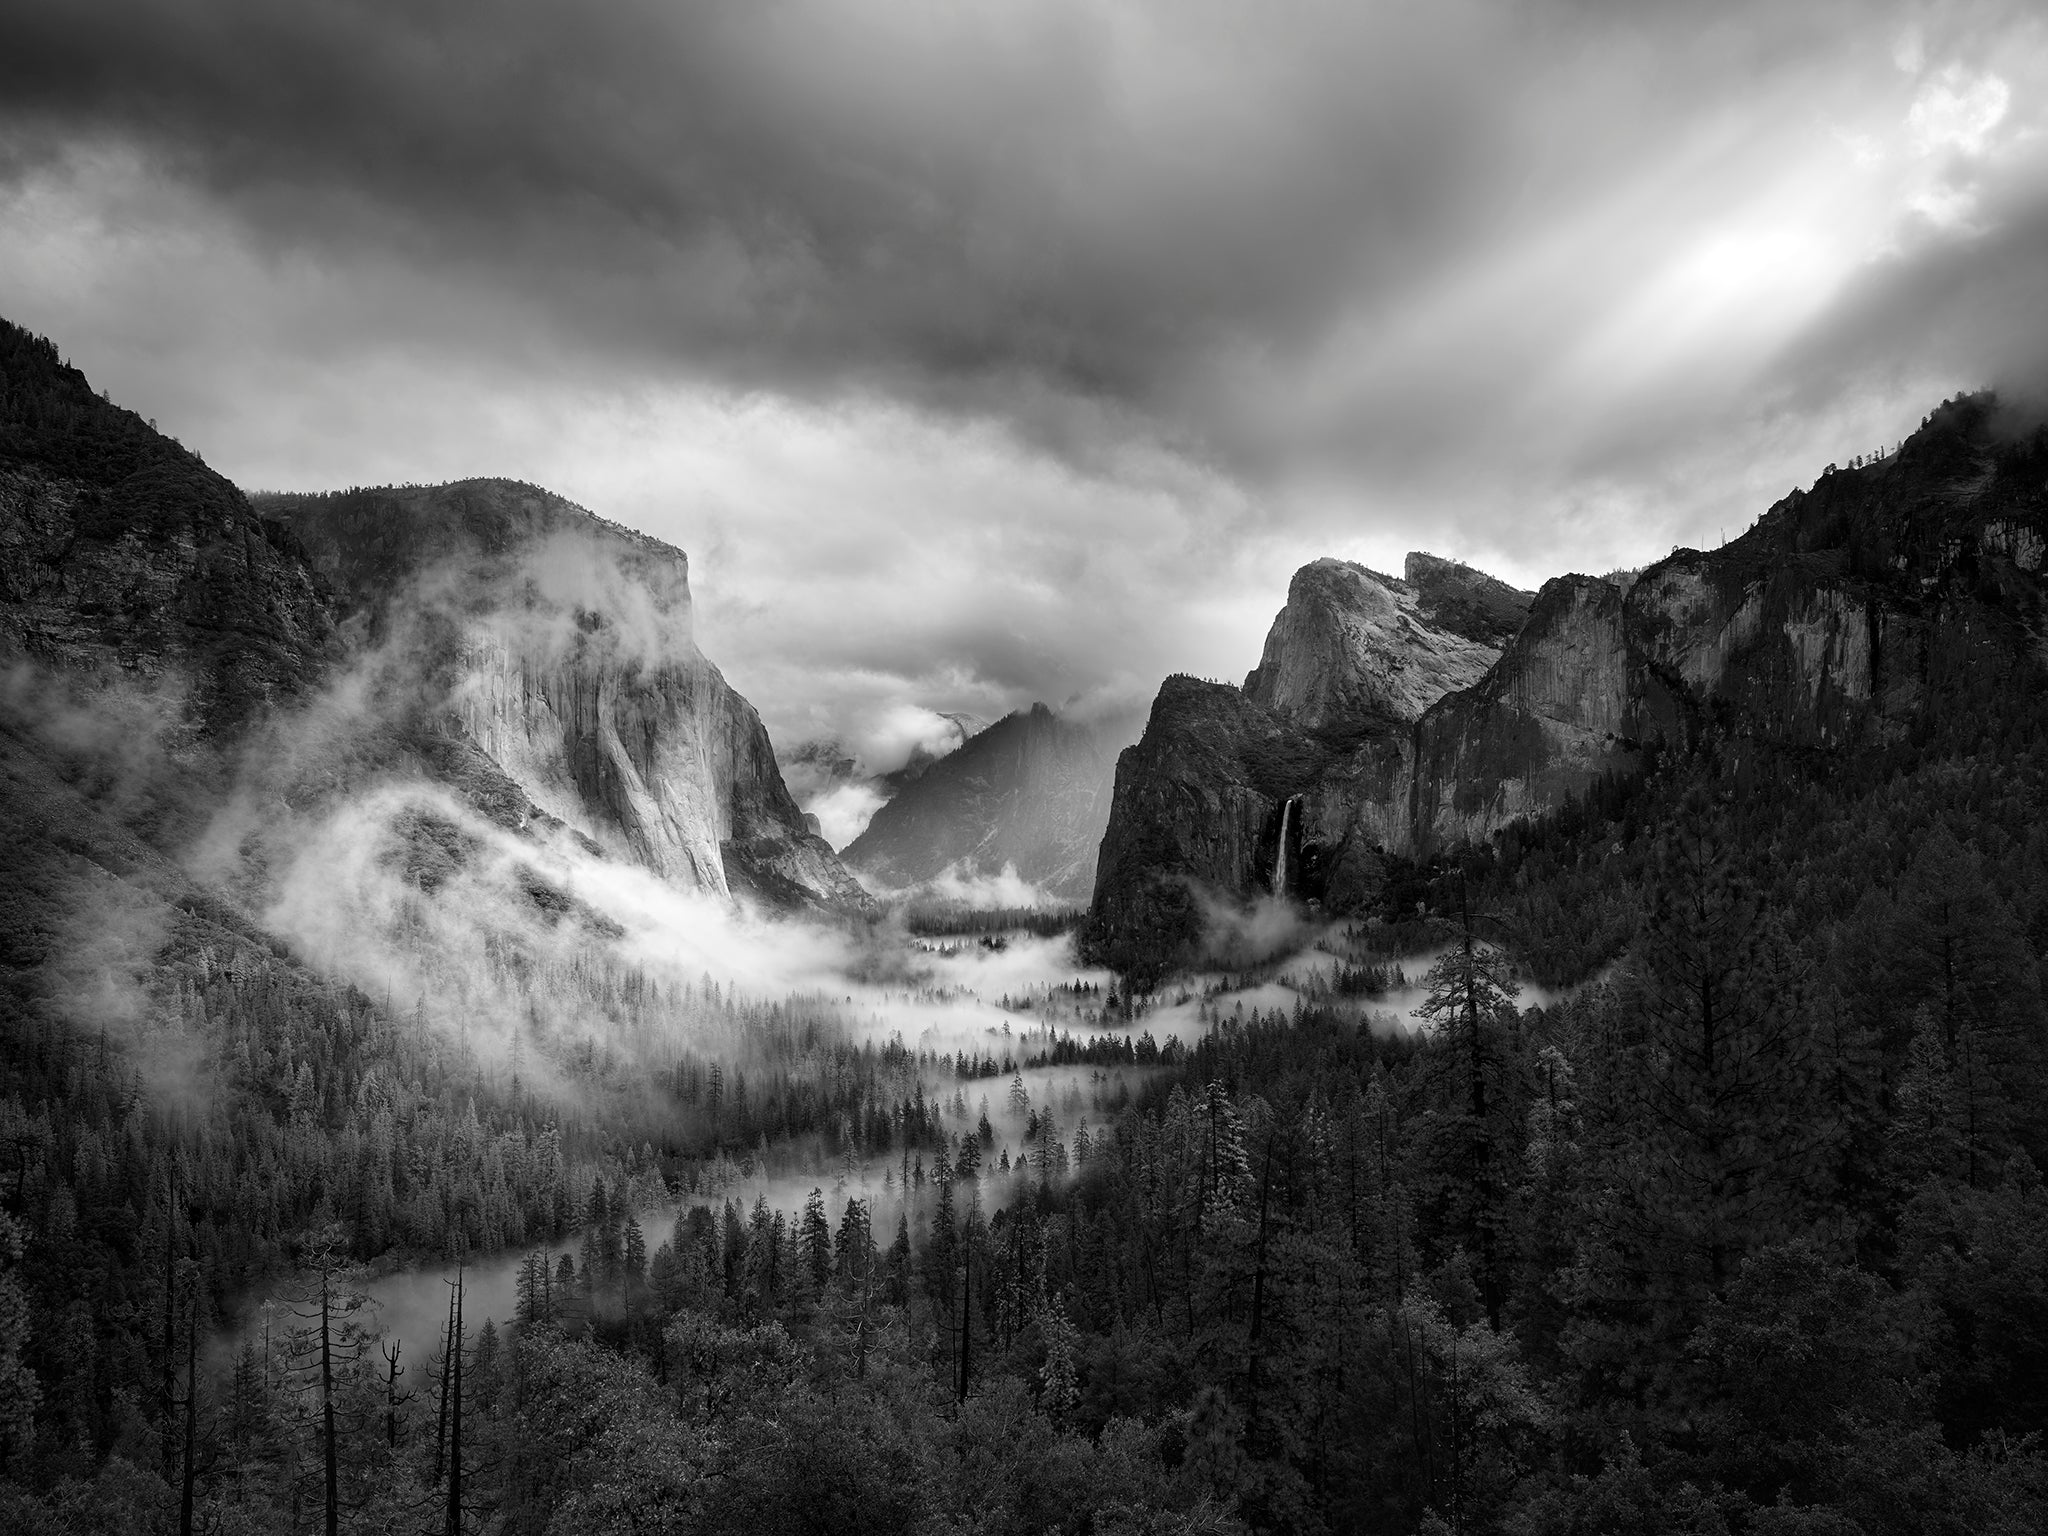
(1280, 854)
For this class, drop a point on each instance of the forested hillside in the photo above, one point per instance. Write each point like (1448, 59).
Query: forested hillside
(1745, 1235)
(1742, 1231)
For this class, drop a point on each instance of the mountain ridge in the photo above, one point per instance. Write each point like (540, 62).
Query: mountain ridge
(1824, 626)
(126, 561)
(1028, 793)
(562, 643)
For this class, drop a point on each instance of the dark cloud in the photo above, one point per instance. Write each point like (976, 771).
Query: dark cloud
(932, 195)
(1970, 303)
(990, 207)
(982, 352)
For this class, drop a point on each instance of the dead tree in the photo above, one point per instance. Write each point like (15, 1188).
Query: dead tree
(393, 1398)
(454, 1372)
(331, 1341)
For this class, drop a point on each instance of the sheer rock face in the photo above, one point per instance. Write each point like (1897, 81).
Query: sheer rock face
(1196, 808)
(1326, 720)
(1553, 714)
(561, 646)
(1030, 792)
(1829, 626)
(1353, 646)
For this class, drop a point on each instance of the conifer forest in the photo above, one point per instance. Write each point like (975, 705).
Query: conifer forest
(1042, 768)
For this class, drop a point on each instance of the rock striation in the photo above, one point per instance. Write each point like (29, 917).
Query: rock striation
(1030, 793)
(1325, 723)
(1847, 612)
(560, 646)
(521, 651)
(1353, 648)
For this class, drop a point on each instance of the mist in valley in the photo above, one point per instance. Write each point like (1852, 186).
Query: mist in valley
(1073, 910)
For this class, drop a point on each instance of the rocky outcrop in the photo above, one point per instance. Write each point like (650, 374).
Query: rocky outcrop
(1847, 617)
(1196, 811)
(1325, 724)
(1030, 793)
(1832, 625)
(522, 651)
(1455, 597)
(1354, 649)
(560, 646)
(1555, 713)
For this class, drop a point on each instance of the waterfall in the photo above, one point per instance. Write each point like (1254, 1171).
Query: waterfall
(1280, 854)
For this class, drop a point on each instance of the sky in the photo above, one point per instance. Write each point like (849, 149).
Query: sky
(988, 351)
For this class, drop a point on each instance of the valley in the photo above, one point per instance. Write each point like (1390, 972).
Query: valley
(1504, 1043)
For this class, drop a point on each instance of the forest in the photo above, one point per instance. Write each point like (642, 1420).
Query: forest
(1746, 1233)
(1743, 1230)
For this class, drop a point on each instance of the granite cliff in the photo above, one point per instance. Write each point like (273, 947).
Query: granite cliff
(1029, 793)
(1294, 782)
(521, 652)
(560, 647)
(1827, 628)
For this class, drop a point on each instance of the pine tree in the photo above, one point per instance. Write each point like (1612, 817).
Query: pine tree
(1927, 1135)
(1470, 999)
(1955, 949)
(1707, 1135)
(19, 1389)
(814, 1239)
(534, 1290)
(633, 1261)
(326, 1346)
(1059, 1381)
(853, 1246)
(941, 1249)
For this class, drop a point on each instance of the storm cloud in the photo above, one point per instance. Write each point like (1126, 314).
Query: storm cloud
(983, 352)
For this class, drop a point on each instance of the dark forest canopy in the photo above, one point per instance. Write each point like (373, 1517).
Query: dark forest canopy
(1746, 1235)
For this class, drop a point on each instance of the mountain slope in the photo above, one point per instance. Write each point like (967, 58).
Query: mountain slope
(1030, 792)
(123, 555)
(1354, 647)
(1303, 766)
(498, 639)
(1832, 626)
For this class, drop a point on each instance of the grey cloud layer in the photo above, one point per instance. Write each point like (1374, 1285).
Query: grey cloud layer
(933, 196)
(1269, 281)
(996, 207)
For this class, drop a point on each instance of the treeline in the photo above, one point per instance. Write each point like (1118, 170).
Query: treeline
(953, 922)
(1748, 1237)
(298, 1106)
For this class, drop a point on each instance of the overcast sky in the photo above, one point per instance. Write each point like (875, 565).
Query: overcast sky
(982, 351)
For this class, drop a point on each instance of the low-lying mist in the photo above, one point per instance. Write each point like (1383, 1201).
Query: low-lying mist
(540, 963)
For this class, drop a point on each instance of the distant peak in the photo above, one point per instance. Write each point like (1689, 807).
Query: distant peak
(1466, 600)
(1420, 565)
(1321, 571)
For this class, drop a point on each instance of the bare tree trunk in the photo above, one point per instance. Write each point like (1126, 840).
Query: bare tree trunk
(454, 1527)
(191, 1409)
(441, 1396)
(1482, 1135)
(167, 1383)
(393, 1370)
(966, 1312)
(1259, 1280)
(328, 1449)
